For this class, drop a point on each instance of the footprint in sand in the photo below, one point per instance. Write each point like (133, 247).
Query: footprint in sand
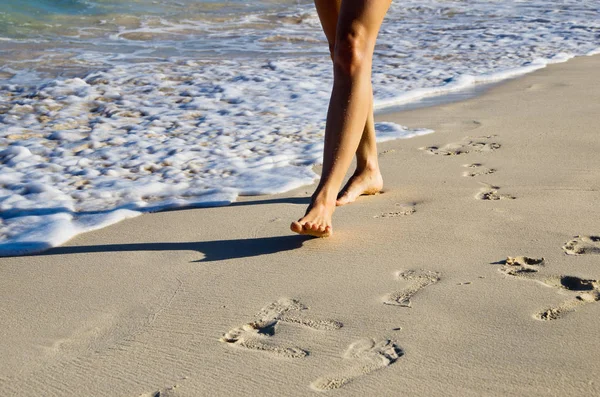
(418, 279)
(521, 266)
(490, 192)
(477, 169)
(256, 335)
(386, 152)
(469, 144)
(369, 355)
(401, 210)
(586, 291)
(582, 245)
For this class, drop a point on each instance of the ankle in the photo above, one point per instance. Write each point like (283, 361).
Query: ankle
(324, 197)
(368, 165)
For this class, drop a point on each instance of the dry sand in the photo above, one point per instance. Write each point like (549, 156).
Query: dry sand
(412, 296)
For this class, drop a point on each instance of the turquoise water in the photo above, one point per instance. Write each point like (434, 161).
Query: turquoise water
(48, 38)
(39, 8)
(38, 17)
(20, 19)
(42, 9)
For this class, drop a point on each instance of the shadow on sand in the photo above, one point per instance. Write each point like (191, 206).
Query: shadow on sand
(212, 250)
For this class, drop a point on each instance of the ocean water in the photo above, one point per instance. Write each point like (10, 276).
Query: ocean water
(109, 109)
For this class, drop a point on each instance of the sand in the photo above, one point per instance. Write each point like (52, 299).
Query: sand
(435, 287)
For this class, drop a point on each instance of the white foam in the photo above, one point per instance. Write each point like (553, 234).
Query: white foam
(84, 153)
(466, 81)
(593, 52)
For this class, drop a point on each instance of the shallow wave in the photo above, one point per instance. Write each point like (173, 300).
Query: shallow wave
(82, 153)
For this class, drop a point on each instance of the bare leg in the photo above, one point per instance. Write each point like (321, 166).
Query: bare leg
(349, 107)
(367, 177)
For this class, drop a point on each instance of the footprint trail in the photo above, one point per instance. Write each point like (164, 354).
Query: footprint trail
(468, 145)
(490, 192)
(419, 279)
(256, 335)
(369, 354)
(401, 210)
(586, 291)
(521, 266)
(477, 169)
(582, 245)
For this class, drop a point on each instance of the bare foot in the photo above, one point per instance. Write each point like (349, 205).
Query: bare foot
(362, 182)
(317, 220)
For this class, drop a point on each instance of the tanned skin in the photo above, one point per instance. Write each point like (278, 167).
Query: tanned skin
(351, 28)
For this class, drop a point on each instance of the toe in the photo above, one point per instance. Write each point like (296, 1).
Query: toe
(296, 227)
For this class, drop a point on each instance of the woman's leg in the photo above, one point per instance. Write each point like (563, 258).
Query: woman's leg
(367, 177)
(349, 108)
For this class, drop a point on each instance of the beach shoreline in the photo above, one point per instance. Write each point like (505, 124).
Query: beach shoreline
(227, 301)
(111, 109)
